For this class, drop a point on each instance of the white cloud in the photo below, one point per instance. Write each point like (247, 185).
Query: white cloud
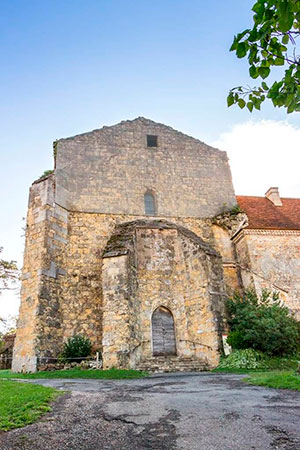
(263, 154)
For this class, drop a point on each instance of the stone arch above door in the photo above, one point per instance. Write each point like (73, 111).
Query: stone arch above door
(163, 332)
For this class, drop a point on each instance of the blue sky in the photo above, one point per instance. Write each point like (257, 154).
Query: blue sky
(71, 66)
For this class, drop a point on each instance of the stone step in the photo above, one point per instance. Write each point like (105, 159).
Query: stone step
(172, 364)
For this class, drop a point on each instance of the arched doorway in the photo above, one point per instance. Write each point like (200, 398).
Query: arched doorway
(163, 332)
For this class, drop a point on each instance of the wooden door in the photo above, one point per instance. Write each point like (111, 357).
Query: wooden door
(163, 333)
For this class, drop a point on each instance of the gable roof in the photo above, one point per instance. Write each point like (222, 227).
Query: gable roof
(147, 123)
(263, 214)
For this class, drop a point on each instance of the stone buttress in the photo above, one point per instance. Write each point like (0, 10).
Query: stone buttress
(39, 331)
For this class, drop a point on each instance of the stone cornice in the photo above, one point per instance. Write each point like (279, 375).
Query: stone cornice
(261, 232)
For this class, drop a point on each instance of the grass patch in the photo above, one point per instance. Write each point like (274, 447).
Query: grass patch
(22, 404)
(275, 379)
(263, 370)
(111, 374)
(236, 370)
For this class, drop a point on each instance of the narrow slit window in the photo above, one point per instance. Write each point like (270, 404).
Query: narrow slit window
(149, 202)
(151, 140)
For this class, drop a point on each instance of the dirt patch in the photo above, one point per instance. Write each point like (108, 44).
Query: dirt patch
(282, 440)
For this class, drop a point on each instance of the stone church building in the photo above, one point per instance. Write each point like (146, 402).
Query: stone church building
(136, 240)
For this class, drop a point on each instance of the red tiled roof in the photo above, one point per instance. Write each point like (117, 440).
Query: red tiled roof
(263, 214)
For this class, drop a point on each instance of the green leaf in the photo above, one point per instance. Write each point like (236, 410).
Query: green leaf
(241, 50)
(253, 54)
(250, 106)
(289, 99)
(241, 103)
(253, 72)
(256, 102)
(279, 61)
(269, 13)
(264, 72)
(264, 86)
(286, 16)
(253, 36)
(265, 63)
(230, 100)
(241, 35)
(233, 45)
(259, 9)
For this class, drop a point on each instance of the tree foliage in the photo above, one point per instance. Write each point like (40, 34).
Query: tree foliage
(272, 41)
(262, 323)
(8, 272)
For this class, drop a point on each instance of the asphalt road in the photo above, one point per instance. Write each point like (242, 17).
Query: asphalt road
(186, 412)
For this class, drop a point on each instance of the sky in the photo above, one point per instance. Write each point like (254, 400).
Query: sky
(70, 66)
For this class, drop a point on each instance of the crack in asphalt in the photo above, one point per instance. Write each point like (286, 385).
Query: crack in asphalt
(122, 419)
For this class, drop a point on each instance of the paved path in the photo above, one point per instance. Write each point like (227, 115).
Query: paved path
(186, 412)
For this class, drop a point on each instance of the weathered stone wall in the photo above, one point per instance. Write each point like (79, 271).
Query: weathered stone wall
(160, 264)
(118, 318)
(109, 170)
(38, 331)
(81, 298)
(99, 183)
(270, 259)
(223, 244)
(66, 278)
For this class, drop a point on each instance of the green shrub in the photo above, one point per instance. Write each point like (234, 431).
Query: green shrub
(244, 359)
(262, 323)
(235, 339)
(76, 347)
(253, 359)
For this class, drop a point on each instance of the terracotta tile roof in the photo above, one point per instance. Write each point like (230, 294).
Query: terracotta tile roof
(263, 214)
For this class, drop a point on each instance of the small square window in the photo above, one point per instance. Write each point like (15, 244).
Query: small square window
(151, 140)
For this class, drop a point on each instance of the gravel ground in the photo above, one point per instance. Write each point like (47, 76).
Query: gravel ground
(190, 411)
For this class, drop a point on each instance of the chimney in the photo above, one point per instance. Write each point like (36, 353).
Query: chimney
(272, 194)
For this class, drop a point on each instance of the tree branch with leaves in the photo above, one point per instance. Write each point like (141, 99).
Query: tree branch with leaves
(271, 42)
(8, 273)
